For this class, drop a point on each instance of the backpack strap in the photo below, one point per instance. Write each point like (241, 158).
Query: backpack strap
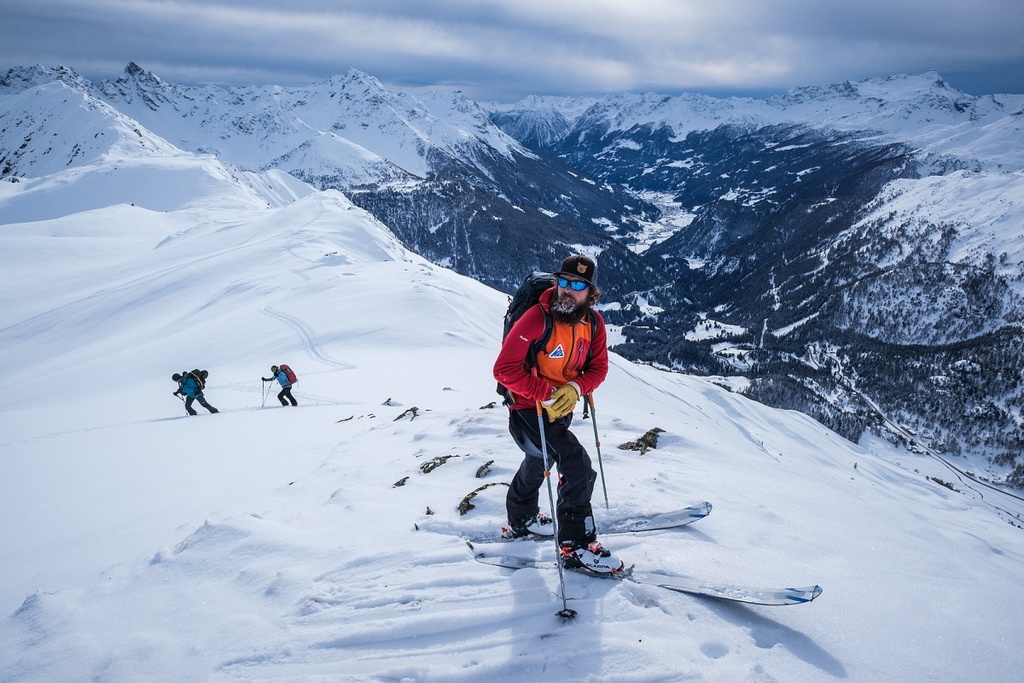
(542, 341)
(593, 335)
(199, 378)
(531, 355)
(538, 344)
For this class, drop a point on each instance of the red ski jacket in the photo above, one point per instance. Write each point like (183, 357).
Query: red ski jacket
(569, 356)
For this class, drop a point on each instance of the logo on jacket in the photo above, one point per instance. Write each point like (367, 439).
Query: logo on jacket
(559, 352)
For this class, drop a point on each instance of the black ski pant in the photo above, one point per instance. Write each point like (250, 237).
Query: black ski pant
(287, 391)
(576, 476)
(202, 401)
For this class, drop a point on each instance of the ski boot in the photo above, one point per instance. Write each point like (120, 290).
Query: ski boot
(538, 525)
(593, 558)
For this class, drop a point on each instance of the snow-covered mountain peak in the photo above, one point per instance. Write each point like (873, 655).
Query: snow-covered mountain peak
(53, 127)
(469, 121)
(922, 109)
(134, 72)
(898, 87)
(353, 78)
(893, 104)
(142, 85)
(251, 126)
(539, 121)
(683, 113)
(568, 107)
(21, 78)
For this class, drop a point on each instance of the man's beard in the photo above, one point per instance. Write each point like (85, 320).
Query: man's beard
(564, 309)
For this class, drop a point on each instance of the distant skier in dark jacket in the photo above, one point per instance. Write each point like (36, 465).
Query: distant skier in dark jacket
(281, 376)
(191, 387)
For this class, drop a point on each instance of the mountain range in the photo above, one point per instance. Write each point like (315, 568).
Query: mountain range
(851, 250)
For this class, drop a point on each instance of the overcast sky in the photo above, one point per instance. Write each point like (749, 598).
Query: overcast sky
(503, 50)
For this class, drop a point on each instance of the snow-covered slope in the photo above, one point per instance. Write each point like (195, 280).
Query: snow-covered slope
(71, 152)
(77, 129)
(538, 122)
(324, 542)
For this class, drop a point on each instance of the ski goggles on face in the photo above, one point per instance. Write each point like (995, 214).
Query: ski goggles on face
(574, 285)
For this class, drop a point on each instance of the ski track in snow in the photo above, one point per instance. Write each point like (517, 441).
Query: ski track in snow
(308, 337)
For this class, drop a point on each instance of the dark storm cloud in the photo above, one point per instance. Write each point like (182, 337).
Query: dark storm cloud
(506, 49)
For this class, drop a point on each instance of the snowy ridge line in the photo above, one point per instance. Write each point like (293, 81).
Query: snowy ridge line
(300, 228)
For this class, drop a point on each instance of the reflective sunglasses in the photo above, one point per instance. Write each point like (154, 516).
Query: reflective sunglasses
(574, 285)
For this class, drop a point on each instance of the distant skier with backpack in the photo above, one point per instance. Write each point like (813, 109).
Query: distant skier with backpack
(190, 386)
(553, 354)
(286, 378)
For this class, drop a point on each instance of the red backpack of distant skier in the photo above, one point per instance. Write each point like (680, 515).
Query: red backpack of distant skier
(289, 373)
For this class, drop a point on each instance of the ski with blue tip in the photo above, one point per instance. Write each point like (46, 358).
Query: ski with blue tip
(658, 520)
(681, 584)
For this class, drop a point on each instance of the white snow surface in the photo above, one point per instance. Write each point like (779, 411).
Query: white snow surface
(272, 543)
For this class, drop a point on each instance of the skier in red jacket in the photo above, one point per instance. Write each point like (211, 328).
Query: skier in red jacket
(572, 363)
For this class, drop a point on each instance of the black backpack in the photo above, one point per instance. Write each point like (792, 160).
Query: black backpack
(199, 376)
(526, 297)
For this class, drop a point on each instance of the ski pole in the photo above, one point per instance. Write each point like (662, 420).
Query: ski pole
(589, 398)
(264, 391)
(565, 612)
